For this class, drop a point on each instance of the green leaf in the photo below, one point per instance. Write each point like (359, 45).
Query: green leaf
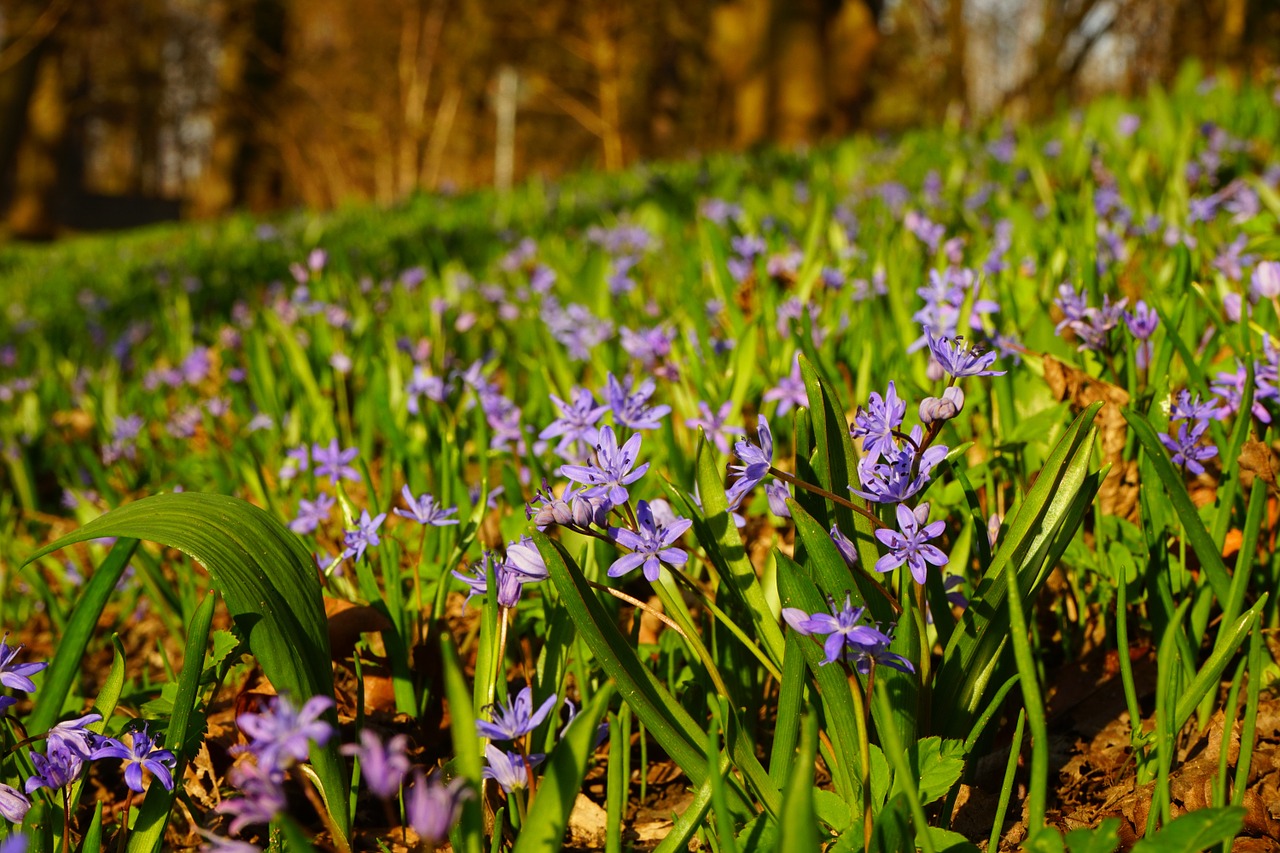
(1176, 493)
(75, 638)
(548, 816)
(92, 840)
(466, 747)
(1104, 839)
(937, 766)
(833, 686)
(148, 832)
(949, 841)
(1048, 515)
(1195, 831)
(798, 824)
(267, 579)
(661, 714)
(719, 537)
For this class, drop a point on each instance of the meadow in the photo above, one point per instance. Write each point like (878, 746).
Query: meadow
(900, 494)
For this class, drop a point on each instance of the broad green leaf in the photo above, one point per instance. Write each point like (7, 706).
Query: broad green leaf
(267, 579)
(548, 817)
(1195, 831)
(937, 765)
(949, 841)
(1038, 526)
(148, 832)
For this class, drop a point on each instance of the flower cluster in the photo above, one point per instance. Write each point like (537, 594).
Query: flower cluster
(1192, 417)
(278, 737)
(71, 745)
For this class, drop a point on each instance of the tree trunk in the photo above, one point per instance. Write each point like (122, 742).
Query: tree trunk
(243, 167)
(31, 213)
(21, 51)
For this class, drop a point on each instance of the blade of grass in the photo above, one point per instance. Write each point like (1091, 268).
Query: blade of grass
(148, 832)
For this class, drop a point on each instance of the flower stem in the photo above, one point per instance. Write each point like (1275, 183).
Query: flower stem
(818, 490)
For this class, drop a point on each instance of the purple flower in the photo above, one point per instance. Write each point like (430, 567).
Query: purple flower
(281, 735)
(58, 766)
(73, 735)
(1229, 385)
(218, 844)
(847, 640)
(365, 535)
(845, 546)
(510, 582)
(777, 493)
(431, 807)
(716, 425)
(1189, 407)
(13, 805)
(756, 462)
(1186, 448)
(887, 478)
(262, 795)
(16, 676)
(1266, 280)
(6, 702)
(646, 346)
(516, 719)
(425, 510)
(576, 426)
(789, 391)
(14, 844)
(959, 358)
(335, 463)
(1073, 305)
(1096, 326)
(508, 769)
(311, 514)
(612, 471)
(524, 559)
(423, 384)
(383, 765)
(1142, 325)
(876, 424)
(630, 407)
(911, 545)
(651, 544)
(142, 754)
(926, 231)
(296, 459)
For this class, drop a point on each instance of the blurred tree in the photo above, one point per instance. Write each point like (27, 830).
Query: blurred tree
(116, 111)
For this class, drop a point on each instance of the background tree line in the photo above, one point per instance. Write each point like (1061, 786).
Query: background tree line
(117, 112)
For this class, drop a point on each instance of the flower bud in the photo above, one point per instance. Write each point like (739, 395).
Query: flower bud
(942, 408)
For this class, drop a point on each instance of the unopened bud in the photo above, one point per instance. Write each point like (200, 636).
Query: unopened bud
(942, 408)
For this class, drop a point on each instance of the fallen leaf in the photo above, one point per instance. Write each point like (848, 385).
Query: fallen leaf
(1118, 495)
